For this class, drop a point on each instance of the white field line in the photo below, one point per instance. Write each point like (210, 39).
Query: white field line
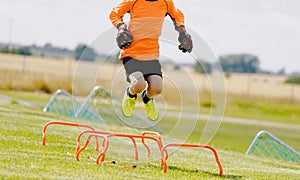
(7, 99)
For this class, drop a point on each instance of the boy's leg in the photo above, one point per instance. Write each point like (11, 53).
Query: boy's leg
(154, 85)
(137, 85)
(154, 88)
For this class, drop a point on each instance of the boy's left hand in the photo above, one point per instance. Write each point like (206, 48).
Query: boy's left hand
(185, 39)
(186, 43)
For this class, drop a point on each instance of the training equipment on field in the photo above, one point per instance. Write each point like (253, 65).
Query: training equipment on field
(105, 136)
(62, 103)
(165, 158)
(65, 104)
(65, 124)
(266, 144)
(99, 105)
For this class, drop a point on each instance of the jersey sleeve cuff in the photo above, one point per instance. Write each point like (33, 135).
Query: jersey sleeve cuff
(119, 24)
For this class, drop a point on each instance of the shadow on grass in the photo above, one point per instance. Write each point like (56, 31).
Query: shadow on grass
(175, 168)
(223, 176)
(204, 172)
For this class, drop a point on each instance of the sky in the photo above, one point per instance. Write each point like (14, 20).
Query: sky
(269, 29)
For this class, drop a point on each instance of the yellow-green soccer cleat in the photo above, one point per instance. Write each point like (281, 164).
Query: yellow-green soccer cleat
(128, 105)
(152, 110)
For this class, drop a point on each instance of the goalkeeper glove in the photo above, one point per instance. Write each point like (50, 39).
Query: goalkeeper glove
(185, 40)
(124, 38)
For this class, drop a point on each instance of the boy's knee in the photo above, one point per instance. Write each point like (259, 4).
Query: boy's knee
(138, 83)
(155, 85)
(138, 86)
(154, 90)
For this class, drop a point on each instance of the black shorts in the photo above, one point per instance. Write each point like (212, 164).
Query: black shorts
(148, 68)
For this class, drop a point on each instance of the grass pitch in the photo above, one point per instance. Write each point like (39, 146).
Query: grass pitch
(22, 155)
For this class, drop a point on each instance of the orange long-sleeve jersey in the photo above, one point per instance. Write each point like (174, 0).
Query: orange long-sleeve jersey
(146, 20)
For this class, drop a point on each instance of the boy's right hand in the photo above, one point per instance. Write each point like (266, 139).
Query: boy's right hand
(124, 38)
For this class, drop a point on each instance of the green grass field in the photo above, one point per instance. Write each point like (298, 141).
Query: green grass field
(22, 155)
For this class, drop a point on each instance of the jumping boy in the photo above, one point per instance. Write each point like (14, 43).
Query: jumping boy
(140, 48)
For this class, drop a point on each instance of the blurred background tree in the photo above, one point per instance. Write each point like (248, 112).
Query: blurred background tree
(202, 67)
(242, 63)
(21, 50)
(293, 79)
(85, 53)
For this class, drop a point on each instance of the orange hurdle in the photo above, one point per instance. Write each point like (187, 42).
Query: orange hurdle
(130, 136)
(65, 124)
(105, 143)
(86, 132)
(104, 146)
(164, 158)
(160, 145)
